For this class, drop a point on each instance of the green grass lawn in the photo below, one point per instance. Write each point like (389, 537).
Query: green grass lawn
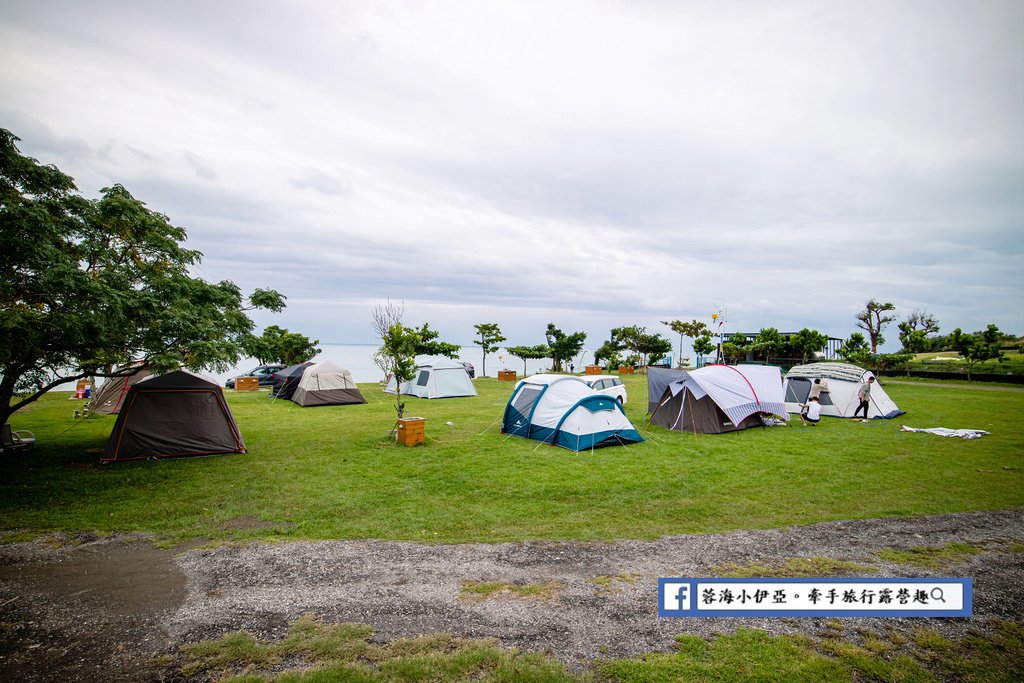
(330, 472)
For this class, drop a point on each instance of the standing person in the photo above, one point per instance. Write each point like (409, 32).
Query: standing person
(811, 412)
(864, 395)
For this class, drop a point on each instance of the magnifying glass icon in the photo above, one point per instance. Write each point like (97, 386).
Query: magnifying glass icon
(938, 595)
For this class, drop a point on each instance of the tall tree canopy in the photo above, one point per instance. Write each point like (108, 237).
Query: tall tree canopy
(87, 285)
(426, 344)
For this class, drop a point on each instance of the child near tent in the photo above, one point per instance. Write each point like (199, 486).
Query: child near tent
(864, 395)
(811, 412)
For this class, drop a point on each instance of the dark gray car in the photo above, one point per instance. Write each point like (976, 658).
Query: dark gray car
(265, 373)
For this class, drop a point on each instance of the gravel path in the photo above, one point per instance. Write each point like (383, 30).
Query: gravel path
(102, 608)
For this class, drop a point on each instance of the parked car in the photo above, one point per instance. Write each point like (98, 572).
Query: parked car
(469, 368)
(265, 373)
(609, 386)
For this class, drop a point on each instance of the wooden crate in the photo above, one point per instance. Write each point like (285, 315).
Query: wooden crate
(247, 384)
(411, 431)
(507, 375)
(625, 369)
(593, 370)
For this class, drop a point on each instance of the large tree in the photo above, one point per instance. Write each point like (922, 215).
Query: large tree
(563, 346)
(490, 337)
(873, 320)
(767, 341)
(89, 285)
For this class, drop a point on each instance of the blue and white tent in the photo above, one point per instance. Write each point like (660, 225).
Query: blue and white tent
(564, 411)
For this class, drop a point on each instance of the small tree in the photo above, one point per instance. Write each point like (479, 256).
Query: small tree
(490, 337)
(563, 346)
(978, 348)
(278, 345)
(608, 352)
(703, 345)
(526, 353)
(873, 320)
(854, 349)
(426, 346)
(768, 340)
(693, 330)
(397, 355)
(807, 342)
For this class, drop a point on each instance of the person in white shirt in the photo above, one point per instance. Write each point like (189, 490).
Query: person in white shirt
(812, 413)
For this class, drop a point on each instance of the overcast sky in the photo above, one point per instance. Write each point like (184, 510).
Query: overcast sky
(591, 164)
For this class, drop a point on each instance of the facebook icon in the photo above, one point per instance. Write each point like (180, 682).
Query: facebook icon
(675, 596)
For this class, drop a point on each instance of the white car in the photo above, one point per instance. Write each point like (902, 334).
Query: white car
(609, 386)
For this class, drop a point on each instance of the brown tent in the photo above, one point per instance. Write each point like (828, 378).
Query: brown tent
(109, 398)
(177, 414)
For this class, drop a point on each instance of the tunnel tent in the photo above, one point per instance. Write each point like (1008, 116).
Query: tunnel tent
(436, 377)
(721, 398)
(564, 411)
(843, 380)
(110, 395)
(326, 383)
(173, 415)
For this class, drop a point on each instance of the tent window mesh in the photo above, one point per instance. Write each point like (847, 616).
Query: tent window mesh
(421, 381)
(797, 390)
(525, 399)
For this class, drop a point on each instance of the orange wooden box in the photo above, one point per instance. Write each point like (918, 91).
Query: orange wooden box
(593, 370)
(247, 384)
(507, 375)
(411, 431)
(625, 369)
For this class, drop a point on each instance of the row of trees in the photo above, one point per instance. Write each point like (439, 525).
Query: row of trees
(90, 285)
(918, 333)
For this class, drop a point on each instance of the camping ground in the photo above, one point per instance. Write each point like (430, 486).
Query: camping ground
(329, 473)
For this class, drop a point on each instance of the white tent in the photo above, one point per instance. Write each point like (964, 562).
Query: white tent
(436, 377)
(326, 383)
(721, 398)
(843, 380)
(564, 411)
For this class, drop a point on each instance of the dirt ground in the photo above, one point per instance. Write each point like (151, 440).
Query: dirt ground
(92, 608)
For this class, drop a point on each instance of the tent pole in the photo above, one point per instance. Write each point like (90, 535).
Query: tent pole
(689, 395)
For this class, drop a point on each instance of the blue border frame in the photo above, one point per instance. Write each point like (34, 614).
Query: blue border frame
(966, 611)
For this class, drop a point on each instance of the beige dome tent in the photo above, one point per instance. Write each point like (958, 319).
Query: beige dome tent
(326, 384)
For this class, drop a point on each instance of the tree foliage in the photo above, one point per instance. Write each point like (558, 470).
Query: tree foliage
(873, 320)
(694, 330)
(808, 341)
(278, 345)
(490, 337)
(89, 285)
(646, 347)
(768, 341)
(426, 345)
(563, 346)
(854, 349)
(526, 353)
(978, 348)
